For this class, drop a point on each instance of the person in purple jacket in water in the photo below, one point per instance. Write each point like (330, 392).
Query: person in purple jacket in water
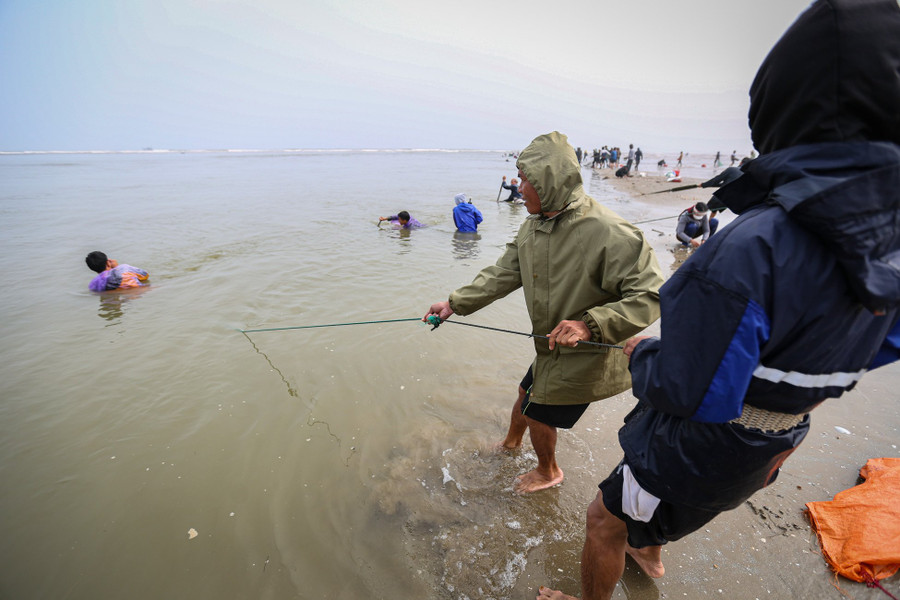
(112, 275)
(402, 220)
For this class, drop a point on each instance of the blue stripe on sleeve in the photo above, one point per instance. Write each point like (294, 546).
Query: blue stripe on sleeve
(724, 398)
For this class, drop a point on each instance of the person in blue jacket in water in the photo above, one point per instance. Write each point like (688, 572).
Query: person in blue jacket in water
(465, 215)
(786, 307)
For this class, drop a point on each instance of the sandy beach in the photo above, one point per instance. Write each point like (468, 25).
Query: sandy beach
(766, 548)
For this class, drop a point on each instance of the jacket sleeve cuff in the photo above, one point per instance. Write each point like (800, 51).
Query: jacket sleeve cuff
(596, 330)
(454, 307)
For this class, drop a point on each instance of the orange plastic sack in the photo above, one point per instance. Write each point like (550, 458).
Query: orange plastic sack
(859, 530)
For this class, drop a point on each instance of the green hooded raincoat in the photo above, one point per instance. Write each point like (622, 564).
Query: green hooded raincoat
(585, 263)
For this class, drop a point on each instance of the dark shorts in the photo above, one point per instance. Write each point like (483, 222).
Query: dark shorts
(563, 416)
(669, 522)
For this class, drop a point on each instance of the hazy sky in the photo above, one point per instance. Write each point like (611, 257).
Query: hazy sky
(666, 75)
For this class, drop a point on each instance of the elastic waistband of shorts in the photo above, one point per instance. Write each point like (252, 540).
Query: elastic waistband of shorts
(767, 420)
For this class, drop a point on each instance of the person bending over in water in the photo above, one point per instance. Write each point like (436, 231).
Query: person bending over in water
(112, 275)
(587, 275)
(402, 220)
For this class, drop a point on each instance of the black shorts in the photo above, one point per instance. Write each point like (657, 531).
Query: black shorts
(669, 522)
(563, 416)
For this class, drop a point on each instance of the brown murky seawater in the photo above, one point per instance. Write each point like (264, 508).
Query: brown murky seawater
(150, 450)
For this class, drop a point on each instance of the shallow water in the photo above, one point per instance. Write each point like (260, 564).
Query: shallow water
(344, 462)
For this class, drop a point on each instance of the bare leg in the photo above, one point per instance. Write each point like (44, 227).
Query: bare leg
(547, 474)
(517, 425)
(603, 556)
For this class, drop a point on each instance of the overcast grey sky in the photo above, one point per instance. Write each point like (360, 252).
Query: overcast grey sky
(485, 74)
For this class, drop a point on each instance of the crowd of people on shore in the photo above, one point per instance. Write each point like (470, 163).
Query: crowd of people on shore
(627, 164)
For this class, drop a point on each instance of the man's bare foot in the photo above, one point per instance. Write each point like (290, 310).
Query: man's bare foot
(548, 594)
(648, 560)
(532, 481)
(505, 446)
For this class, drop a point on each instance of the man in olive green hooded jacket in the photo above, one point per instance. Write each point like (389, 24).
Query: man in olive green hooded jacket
(587, 275)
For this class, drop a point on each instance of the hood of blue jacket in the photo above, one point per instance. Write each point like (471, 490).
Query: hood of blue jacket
(825, 116)
(834, 76)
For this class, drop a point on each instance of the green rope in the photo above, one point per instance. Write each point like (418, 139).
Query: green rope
(433, 320)
(328, 325)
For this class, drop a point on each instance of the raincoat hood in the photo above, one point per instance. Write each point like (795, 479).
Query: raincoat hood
(824, 113)
(834, 76)
(460, 199)
(550, 165)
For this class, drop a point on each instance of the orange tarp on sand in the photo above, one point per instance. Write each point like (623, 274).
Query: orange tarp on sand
(860, 529)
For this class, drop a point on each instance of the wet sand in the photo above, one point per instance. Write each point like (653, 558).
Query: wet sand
(765, 548)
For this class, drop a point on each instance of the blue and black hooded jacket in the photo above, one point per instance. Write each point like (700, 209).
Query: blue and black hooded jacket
(792, 302)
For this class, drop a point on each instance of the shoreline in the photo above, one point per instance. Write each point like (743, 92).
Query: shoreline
(643, 187)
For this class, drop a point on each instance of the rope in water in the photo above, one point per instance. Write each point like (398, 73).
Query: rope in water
(327, 325)
(436, 321)
(433, 320)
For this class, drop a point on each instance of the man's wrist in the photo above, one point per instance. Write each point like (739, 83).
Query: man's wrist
(596, 330)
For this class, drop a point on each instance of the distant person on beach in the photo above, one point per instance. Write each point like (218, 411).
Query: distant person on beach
(693, 223)
(638, 156)
(113, 276)
(724, 178)
(718, 161)
(790, 308)
(734, 158)
(465, 215)
(588, 275)
(680, 158)
(513, 187)
(402, 220)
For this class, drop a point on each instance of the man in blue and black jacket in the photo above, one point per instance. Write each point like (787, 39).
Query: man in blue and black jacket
(798, 297)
